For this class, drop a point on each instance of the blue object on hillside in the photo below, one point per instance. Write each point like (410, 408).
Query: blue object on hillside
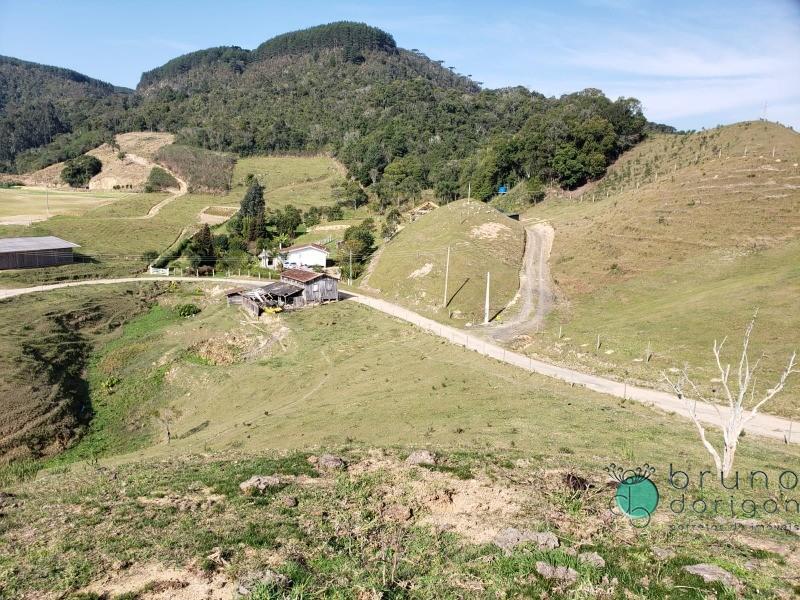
(503, 190)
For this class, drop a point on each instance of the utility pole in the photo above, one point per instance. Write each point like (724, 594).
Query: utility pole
(486, 306)
(47, 201)
(350, 273)
(446, 275)
(469, 190)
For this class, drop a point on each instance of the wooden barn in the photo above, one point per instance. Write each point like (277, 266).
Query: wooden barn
(297, 288)
(32, 252)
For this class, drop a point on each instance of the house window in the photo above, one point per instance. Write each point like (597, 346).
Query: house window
(315, 287)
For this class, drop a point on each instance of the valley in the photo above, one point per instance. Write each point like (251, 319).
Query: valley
(485, 406)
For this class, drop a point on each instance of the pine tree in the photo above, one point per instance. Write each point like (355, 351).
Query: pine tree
(203, 245)
(253, 201)
(257, 227)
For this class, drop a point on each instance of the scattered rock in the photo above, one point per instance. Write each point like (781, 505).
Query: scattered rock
(662, 553)
(510, 538)
(312, 460)
(247, 584)
(711, 573)
(330, 462)
(399, 513)
(564, 574)
(421, 457)
(290, 502)
(592, 559)
(259, 484)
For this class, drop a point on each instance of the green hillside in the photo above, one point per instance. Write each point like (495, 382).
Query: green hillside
(676, 247)
(410, 269)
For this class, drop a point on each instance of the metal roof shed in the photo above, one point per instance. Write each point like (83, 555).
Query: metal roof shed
(32, 252)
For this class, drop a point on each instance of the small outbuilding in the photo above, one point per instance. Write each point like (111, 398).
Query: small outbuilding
(297, 288)
(33, 252)
(317, 287)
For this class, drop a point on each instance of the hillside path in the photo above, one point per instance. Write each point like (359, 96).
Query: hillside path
(183, 187)
(763, 424)
(535, 288)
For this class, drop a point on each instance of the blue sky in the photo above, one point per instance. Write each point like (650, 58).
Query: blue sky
(692, 64)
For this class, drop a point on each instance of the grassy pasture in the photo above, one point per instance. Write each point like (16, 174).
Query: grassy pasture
(347, 379)
(411, 267)
(692, 238)
(303, 181)
(22, 205)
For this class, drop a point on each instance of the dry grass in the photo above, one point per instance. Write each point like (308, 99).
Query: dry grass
(708, 236)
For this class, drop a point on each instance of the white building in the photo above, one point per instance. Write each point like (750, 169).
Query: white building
(305, 255)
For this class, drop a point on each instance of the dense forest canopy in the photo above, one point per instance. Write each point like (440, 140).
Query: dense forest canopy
(398, 120)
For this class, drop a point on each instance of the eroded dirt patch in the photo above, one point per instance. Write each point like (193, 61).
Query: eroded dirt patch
(158, 582)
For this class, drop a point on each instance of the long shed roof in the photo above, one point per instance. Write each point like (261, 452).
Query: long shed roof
(32, 244)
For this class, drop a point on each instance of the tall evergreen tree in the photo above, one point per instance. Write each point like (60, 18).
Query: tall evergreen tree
(253, 201)
(203, 246)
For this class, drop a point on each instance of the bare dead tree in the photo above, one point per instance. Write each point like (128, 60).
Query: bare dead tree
(738, 415)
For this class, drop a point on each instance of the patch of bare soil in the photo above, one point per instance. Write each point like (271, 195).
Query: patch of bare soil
(422, 271)
(120, 171)
(203, 499)
(158, 582)
(246, 343)
(144, 143)
(480, 508)
(489, 231)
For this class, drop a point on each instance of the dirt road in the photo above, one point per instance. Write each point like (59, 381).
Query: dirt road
(535, 287)
(183, 187)
(763, 424)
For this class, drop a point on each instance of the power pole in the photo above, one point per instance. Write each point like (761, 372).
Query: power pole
(486, 306)
(47, 201)
(350, 273)
(469, 190)
(446, 275)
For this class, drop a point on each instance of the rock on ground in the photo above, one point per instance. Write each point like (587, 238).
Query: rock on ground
(421, 457)
(510, 538)
(564, 574)
(247, 584)
(592, 559)
(258, 484)
(329, 461)
(711, 573)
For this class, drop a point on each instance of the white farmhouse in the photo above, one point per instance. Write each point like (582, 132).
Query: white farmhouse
(305, 255)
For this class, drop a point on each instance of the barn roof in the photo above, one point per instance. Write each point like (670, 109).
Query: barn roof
(303, 246)
(301, 275)
(281, 288)
(32, 244)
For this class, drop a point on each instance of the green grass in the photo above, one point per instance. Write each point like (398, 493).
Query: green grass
(47, 343)
(681, 260)
(302, 181)
(411, 268)
(342, 373)
(347, 379)
(32, 203)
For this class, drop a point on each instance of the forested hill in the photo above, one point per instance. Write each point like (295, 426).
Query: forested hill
(397, 119)
(38, 103)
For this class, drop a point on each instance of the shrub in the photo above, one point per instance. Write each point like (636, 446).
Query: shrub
(159, 180)
(149, 256)
(78, 171)
(187, 310)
